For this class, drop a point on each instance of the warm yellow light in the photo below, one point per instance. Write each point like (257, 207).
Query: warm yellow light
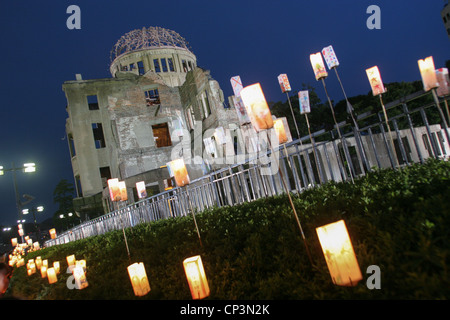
(71, 260)
(80, 277)
(123, 191)
(318, 65)
(280, 131)
(139, 279)
(36, 245)
(38, 262)
(51, 275)
(428, 73)
(52, 233)
(195, 274)
(14, 242)
(339, 255)
(43, 271)
(256, 106)
(375, 80)
(114, 190)
(178, 169)
(56, 266)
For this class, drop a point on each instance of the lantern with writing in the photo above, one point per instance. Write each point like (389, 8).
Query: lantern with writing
(139, 279)
(330, 57)
(279, 130)
(375, 80)
(52, 233)
(257, 108)
(51, 275)
(177, 169)
(428, 73)
(80, 277)
(284, 83)
(318, 66)
(444, 82)
(114, 190)
(196, 277)
(303, 99)
(339, 255)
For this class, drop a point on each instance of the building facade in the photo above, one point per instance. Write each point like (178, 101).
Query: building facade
(445, 14)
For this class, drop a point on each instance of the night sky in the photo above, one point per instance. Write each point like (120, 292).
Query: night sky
(254, 39)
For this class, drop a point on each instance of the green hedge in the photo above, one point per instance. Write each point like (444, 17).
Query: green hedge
(397, 220)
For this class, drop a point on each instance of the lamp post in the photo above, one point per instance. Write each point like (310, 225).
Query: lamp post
(27, 168)
(33, 211)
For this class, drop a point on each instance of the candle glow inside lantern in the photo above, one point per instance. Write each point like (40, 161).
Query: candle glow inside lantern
(56, 266)
(257, 107)
(71, 260)
(375, 80)
(284, 83)
(177, 169)
(428, 73)
(339, 254)
(195, 274)
(80, 277)
(280, 131)
(139, 279)
(51, 275)
(36, 245)
(318, 66)
(14, 242)
(38, 262)
(43, 272)
(52, 233)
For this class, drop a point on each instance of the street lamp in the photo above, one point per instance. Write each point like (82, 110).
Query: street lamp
(27, 168)
(33, 211)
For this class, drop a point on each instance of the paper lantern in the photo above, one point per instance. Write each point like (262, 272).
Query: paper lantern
(139, 279)
(330, 57)
(51, 275)
(38, 262)
(31, 269)
(56, 266)
(284, 83)
(141, 190)
(195, 274)
(52, 233)
(80, 277)
(36, 245)
(279, 130)
(444, 82)
(71, 260)
(14, 242)
(318, 66)
(256, 106)
(178, 170)
(339, 255)
(303, 99)
(375, 80)
(114, 190)
(43, 271)
(123, 191)
(20, 262)
(428, 73)
(30, 242)
(20, 232)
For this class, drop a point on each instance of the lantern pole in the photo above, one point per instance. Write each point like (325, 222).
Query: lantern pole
(436, 101)
(193, 216)
(338, 130)
(389, 130)
(292, 204)
(316, 158)
(293, 117)
(116, 205)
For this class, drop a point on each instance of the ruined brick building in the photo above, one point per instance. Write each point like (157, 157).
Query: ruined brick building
(127, 126)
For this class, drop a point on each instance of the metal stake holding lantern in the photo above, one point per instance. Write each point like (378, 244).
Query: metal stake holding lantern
(430, 82)
(177, 169)
(377, 90)
(261, 119)
(320, 74)
(286, 88)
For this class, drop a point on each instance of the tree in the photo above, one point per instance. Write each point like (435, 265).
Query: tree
(63, 195)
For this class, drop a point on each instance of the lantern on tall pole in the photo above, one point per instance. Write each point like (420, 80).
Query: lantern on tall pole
(286, 88)
(321, 73)
(430, 82)
(332, 63)
(374, 76)
(261, 119)
(178, 170)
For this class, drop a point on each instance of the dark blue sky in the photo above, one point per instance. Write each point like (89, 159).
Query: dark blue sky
(254, 39)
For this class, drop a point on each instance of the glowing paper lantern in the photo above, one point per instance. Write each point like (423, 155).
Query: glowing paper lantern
(14, 242)
(428, 73)
(52, 233)
(139, 279)
(303, 99)
(30, 242)
(38, 262)
(330, 57)
(236, 84)
(114, 190)
(444, 82)
(56, 266)
(51, 275)
(71, 260)
(141, 190)
(43, 271)
(375, 80)
(195, 274)
(179, 171)
(80, 277)
(256, 106)
(36, 245)
(123, 191)
(284, 83)
(318, 66)
(279, 130)
(339, 255)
